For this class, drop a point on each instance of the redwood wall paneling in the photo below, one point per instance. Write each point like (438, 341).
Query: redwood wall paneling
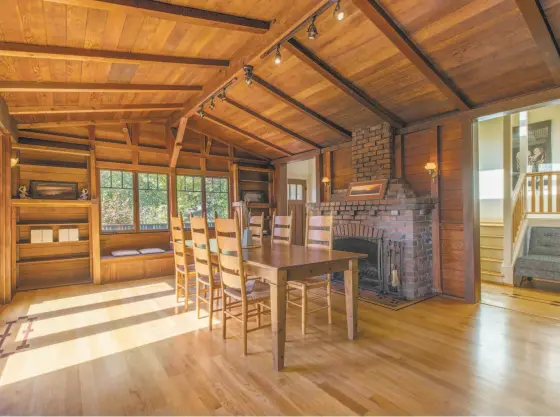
(417, 148)
(342, 168)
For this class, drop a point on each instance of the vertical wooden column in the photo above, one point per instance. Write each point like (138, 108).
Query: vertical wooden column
(319, 174)
(281, 186)
(135, 138)
(507, 208)
(94, 214)
(327, 172)
(471, 210)
(436, 241)
(235, 180)
(6, 288)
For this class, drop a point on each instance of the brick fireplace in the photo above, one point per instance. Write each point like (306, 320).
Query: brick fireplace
(400, 216)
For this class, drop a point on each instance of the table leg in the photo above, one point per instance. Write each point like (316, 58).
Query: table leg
(278, 317)
(351, 294)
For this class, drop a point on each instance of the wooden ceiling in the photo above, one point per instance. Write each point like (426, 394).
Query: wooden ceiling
(400, 61)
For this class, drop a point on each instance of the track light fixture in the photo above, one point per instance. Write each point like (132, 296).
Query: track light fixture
(248, 69)
(201, 112)
(222, 95)
(278, 56)
(312, 31)
(338, 12)
(212, 105)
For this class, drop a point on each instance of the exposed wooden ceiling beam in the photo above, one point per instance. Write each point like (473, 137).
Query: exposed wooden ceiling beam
(286, 99)
(15, 111)
(398, 37)
(195, 127)
(7, 122)
(24, 50)
(288, 19)
(54, 87)
(180, 14)
(314, 62)
(542, 34)
(126, 133)
(246, 134)
(68, 123)
(272, 123)
(178, 144)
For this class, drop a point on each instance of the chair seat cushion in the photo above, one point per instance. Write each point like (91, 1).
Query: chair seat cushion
(312, 282)
(538, 266)
(216, 279)
(256, 290)
(181, 268)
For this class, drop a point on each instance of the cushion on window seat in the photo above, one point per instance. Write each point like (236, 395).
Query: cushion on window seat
(125, 252)
(149, 251)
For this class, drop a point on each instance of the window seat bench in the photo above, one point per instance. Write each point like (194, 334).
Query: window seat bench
(132, 267)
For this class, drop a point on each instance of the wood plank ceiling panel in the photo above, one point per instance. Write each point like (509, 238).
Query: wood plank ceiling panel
(483, 46)
(364, 56)
(551, 10)
(48, 23)
(272, 108)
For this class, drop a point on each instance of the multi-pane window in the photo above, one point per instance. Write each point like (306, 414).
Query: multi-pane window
(117, 201)
(198, 194)
(152, 201)
(295, 192)
(217, 200)
(189, 196)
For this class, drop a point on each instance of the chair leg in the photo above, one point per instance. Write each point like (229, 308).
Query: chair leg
(244, 329)
(186, 290)
(303, 309)
(329, 302)
(197, 301)
(210, 307)
(258, 315)
(177, 288)
(224, 319)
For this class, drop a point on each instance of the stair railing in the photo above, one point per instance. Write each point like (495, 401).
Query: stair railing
(518, 204)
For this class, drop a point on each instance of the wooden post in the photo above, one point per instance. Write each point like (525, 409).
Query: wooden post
(436, 242)
(471, 209)
(319, 189)
(281, 186)
(507, 208)
(6, 288)
(94, 213)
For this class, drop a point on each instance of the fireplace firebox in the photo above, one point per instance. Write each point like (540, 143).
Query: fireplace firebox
(370, 269)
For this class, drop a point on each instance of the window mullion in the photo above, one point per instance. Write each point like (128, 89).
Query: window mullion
(136, 200)
(203, 192)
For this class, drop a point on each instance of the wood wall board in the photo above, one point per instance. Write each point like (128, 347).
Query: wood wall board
(417, 150)
(343, 172)
(33, 110)
(473, 42)
(551, 9)
(137, 268)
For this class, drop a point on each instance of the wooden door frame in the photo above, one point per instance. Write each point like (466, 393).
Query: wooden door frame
(304, 200)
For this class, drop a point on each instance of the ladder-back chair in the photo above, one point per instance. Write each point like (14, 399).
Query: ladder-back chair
(183, 271)
(256, 225)
(282, 228)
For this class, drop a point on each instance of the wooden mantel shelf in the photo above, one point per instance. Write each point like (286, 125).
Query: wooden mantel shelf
(50, 203)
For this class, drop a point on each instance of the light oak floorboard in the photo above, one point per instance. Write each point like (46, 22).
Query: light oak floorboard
(130, 348)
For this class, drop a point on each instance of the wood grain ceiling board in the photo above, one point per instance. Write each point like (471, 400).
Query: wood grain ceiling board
(201, 125)
(483, 46)
(250, 124)
(365, 57)
(551, 10)
(273, 109)
(48, 23)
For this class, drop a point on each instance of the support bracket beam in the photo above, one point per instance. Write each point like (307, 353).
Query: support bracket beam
(178, 143)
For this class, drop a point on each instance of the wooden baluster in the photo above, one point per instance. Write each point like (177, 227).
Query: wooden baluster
(541, 193)
(557, 193)
(533, 195)
(549, 191)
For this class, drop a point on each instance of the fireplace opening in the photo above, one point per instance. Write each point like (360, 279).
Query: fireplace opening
(369, 269)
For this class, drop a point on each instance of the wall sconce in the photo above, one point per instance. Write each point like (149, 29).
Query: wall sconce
(327, 184)
(14, 162)
(431, 167)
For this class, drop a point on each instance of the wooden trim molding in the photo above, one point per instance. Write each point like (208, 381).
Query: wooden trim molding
(25, 110)
(60, 87)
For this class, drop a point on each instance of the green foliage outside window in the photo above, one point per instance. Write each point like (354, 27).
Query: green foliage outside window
(217, 198)
(117, 201)
(189, 196)
(153, 202)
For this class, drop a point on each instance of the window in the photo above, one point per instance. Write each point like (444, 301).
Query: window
(189, 196)
(195, 194)
(152, 201)
(117, 201)
(217, 200)
(295, 192)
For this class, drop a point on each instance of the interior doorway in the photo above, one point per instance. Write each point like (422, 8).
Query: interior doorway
(297, 193)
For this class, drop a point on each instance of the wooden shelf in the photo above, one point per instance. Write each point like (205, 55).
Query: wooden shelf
(58, 167)
(257, 181)
(254, 169)
(54, 259)
(259, 205)
(27, 243)
(50, 203)
(47, 223)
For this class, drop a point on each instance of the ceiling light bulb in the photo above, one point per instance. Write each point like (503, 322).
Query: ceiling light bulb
(212, 105)
(338, 12)
(223, 95)
(278, 56)
(312, 31)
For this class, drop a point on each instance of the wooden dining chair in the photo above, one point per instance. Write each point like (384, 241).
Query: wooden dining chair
(256, 225)
(184, 273)
(237, 290)
(282, 228)
(208, 283)
(318, 234)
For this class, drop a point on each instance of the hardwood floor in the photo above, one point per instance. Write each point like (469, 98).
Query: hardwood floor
(130, 349)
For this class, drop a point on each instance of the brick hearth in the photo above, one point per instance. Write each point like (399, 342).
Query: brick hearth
(400, 216)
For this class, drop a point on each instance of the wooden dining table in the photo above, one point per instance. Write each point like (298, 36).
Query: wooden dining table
(279, 263)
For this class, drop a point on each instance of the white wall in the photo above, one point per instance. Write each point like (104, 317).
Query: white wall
(304, 170)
